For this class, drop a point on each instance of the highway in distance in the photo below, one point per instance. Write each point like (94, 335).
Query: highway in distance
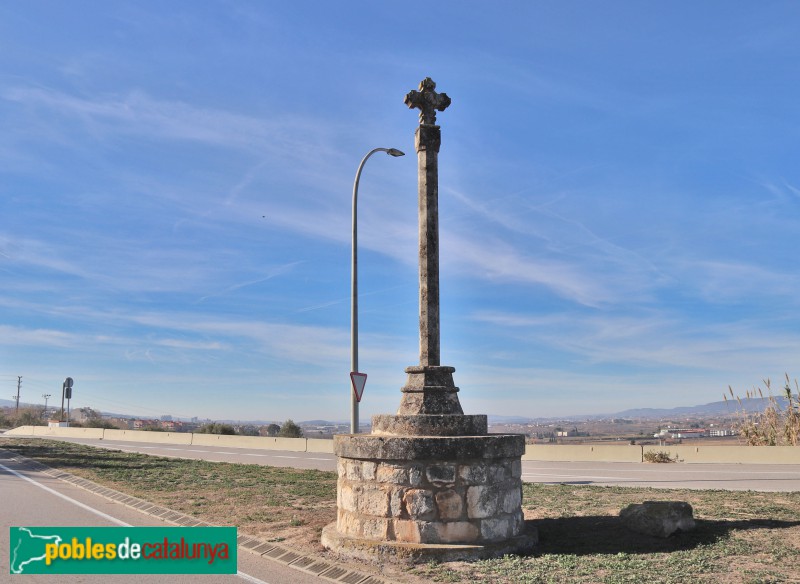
(735, 477)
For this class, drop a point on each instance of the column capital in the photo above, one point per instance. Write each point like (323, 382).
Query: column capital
(428, 138)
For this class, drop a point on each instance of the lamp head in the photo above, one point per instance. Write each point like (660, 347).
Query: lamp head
(395, 152)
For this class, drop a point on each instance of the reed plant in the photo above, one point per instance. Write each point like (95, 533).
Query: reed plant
(778, 424)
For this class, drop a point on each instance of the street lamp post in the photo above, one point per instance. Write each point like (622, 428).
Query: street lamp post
(354, 288)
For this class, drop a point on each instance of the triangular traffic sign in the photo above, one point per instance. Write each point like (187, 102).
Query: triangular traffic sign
(359, 380)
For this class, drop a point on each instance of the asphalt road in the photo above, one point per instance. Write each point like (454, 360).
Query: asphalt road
(31, 498)
(734, 477)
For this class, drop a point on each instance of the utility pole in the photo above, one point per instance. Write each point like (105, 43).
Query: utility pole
(19, 382)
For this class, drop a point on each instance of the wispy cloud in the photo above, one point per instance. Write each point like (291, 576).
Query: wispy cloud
(652, 339)
(493, 259)
(274, 273)
(139, 114)
(14, 335)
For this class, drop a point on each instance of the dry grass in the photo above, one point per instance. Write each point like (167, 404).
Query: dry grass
(279, 504)
(659, 456)
(774, 426)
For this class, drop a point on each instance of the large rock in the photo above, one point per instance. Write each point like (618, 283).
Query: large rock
(658, 518)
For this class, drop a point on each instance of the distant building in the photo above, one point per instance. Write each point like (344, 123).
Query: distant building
(720, 432)
(690, 433)
(680, 433)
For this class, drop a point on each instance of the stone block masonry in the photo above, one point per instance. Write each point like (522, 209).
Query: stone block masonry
(411, 497)
(471, 501)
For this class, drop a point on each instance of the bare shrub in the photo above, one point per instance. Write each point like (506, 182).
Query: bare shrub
(658, 456)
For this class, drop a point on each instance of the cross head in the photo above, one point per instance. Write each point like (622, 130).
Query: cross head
(427, 101)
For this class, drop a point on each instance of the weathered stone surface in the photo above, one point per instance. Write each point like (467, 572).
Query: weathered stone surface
(441, 474)
(421, 377)
(450, 505)
(427, 146)
(396, 502)
(401, 551)
(368, 470)
(348, 523)
(658, 518)
(451, 532)
(430, 425)
(347, 496)
(430, 402)
(392, 473)
(419, 504)
(482, 501)
(373, 501)
(429, 389)
(419, 448)
(375, 528)
(357, 470)
(427, 101)
(512, 499)
(406, 531)
(498, 472)
(352, 470)
(415, 475)
(497, 528)
(473, 474)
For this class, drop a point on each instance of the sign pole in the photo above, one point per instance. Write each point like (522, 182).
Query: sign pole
(66, 392)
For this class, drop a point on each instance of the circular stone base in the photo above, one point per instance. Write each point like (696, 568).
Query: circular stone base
(370, 549)
(429, 425)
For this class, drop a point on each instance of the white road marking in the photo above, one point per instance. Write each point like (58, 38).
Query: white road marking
(66, 498)
(575, 477)
(106, 516)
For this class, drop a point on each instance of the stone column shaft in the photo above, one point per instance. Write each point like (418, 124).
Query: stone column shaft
(428, 140)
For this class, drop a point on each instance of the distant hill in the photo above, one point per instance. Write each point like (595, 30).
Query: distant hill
(720, 408)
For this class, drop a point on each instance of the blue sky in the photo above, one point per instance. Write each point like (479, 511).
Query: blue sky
(619, 202)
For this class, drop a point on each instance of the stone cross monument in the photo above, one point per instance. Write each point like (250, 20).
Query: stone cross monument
(428, 140)
(429, 482)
